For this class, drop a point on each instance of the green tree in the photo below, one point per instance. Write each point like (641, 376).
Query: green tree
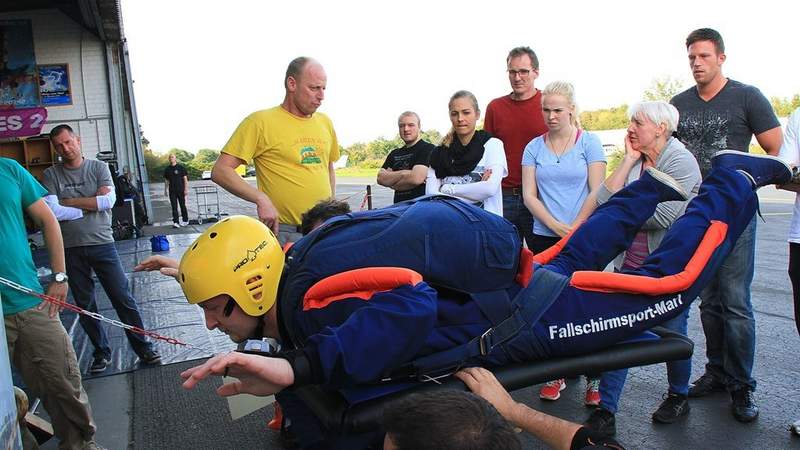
(785, 106)
(432, 136)
(155, 164)
(663, 88)
(183, 156)
(207, 156)
(605, 119)
(194, 168)
(379, 148)
(356, 153)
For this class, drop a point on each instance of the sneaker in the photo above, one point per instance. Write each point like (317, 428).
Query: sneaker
(277, 419)
(184, 223)
(795, 175)
(743, 405)
(99, 364)
(674, 190)
(150, 357)
(602, 421)
(552, 390)
(672, 408)
(795, 428)
(705, 385)
(592, 397)
(762, 170)
(176, 225)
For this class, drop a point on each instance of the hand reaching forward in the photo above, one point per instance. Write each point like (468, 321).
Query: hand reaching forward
(167, 266)
(257, 375)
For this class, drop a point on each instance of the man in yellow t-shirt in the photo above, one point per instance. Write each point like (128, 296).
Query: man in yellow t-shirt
(293, 148)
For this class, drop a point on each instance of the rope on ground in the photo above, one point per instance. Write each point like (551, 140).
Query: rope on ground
(99, 317)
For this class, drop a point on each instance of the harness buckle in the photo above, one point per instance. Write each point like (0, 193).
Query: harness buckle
(484, 347)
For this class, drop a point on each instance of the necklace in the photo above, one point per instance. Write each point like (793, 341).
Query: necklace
(563, 149)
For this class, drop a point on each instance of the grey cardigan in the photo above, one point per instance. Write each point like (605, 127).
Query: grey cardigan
(676, 161)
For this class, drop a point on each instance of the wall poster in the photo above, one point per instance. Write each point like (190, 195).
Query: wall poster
(18, 85)
(54, 85)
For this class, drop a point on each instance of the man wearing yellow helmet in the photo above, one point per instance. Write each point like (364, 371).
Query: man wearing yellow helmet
(249, 319)
(422, 288)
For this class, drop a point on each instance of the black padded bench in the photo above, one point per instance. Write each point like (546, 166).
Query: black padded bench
(336, 413)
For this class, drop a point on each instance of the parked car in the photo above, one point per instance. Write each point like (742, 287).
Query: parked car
(206, 175)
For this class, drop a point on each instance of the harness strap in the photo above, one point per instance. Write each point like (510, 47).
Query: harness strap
(528, 306)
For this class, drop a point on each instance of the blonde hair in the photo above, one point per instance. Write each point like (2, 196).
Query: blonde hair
(567, 91)
(448, 138)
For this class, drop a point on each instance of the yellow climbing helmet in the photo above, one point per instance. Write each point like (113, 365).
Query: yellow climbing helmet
(238, 256)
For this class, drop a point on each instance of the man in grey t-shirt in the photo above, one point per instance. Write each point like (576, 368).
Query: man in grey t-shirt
(718, 114)
(81, 194)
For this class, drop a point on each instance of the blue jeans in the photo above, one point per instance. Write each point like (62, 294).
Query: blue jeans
(514, 211)
(104, 260)
(727, 316)
(678, 372)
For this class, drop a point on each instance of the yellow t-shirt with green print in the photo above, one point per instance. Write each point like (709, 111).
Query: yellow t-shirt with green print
(291, 155)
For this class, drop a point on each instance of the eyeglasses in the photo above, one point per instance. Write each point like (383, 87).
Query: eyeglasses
(520, 72)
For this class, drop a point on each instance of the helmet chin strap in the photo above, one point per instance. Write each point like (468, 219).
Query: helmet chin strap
(229, 307)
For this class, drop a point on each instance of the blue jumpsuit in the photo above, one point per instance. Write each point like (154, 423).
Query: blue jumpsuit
(462, 252)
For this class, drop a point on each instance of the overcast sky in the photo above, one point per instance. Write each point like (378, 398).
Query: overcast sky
(199, 67)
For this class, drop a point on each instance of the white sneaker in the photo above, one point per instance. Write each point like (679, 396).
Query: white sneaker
(176, 225)
(184, 223)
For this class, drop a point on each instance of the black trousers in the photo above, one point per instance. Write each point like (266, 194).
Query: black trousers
(176, 197)
(794, 275)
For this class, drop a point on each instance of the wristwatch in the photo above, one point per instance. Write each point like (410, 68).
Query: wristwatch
(60, 277)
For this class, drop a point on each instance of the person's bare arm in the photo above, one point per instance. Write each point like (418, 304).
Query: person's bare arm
(224, 174)
(41, 215)
(185, 185)
(530, 197)
(597, 171)
(554, 432)
(771, 141)
(409, 179)
(332, 176)
(387, 177)
(86, 203)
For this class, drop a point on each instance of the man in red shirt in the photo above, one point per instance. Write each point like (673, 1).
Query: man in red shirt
(516, 119)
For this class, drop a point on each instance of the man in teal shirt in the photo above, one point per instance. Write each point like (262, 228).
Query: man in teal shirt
(38, 345)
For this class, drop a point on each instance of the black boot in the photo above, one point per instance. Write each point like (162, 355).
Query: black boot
(705, 385)
(744, 405)
(672, 408)
(602, 421)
